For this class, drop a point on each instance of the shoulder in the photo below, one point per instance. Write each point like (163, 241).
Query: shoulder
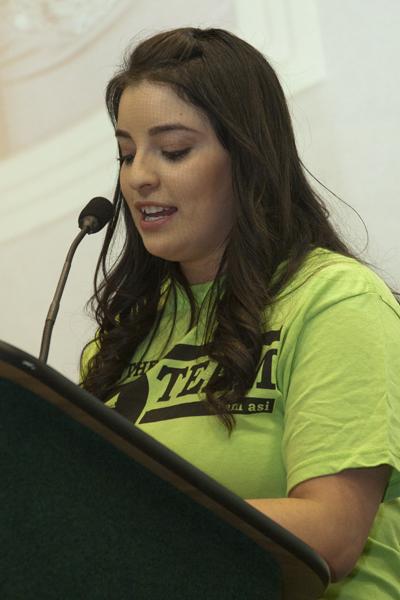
(327, 278)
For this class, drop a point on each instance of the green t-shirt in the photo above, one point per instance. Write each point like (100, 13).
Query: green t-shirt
(326, 398)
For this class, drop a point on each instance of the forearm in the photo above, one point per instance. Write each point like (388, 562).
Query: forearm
(333, 514)
(309, 521)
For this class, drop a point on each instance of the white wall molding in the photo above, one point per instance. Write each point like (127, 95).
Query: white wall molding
(288, 34)
(57, 177)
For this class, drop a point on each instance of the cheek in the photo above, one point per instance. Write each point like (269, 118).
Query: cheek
(218, 193)
(210, 181)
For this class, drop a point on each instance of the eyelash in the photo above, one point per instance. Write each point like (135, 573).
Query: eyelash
(171, 156)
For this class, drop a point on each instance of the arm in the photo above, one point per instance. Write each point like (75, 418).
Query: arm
(333, 514)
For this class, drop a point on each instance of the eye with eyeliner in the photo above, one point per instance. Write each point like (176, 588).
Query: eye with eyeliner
(173, 156)
(176, 154)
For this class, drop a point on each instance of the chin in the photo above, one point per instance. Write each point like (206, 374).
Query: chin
(162, 253)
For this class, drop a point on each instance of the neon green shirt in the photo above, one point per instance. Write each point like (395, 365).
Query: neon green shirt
(326, 398)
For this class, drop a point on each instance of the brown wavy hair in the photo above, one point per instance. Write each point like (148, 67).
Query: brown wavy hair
(278, 216)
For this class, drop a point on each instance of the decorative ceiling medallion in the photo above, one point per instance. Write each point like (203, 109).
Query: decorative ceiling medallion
(38, 34)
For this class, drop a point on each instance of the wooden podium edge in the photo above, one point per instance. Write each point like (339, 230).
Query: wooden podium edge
(305, 574)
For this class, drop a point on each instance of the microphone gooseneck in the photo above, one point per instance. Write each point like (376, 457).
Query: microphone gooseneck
(92, 219)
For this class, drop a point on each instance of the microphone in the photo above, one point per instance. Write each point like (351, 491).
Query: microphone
(97, 213)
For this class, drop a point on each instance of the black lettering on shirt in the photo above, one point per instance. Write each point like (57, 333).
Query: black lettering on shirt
(186, 390)
(134, 395)
(187, 352)
(177, 411)
(174, 373)
(140, 368)
(247, 406)
(132, 398)
(252, 405)
(271, 336)
(265, 383)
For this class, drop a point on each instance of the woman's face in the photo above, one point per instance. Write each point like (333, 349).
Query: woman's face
(171, 158)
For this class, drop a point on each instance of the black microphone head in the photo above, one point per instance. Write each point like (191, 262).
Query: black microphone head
(96, 214)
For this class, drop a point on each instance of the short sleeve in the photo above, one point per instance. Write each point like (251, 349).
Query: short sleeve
(342, 402)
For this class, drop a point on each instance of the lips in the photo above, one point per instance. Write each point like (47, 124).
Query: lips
(153, 222)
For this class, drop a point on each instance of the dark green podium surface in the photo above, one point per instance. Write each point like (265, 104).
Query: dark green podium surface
(92, 508)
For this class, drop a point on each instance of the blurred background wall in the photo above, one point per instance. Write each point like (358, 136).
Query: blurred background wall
(336, 60)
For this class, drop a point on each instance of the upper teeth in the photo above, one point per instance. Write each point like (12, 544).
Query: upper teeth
(153, 209)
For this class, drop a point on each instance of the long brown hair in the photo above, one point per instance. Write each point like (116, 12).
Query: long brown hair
(278, 216)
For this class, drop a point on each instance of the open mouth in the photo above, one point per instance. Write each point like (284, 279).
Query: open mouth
(157, 215)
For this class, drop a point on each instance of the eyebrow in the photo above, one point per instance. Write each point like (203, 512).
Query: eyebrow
(158, 129)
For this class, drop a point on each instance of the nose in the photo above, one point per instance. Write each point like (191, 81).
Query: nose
(141, 174)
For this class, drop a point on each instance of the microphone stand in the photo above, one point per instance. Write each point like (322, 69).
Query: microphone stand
(55, 305)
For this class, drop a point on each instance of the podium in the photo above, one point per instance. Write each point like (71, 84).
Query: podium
(92, 508)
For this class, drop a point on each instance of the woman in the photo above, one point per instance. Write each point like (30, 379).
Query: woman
(236, 327)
